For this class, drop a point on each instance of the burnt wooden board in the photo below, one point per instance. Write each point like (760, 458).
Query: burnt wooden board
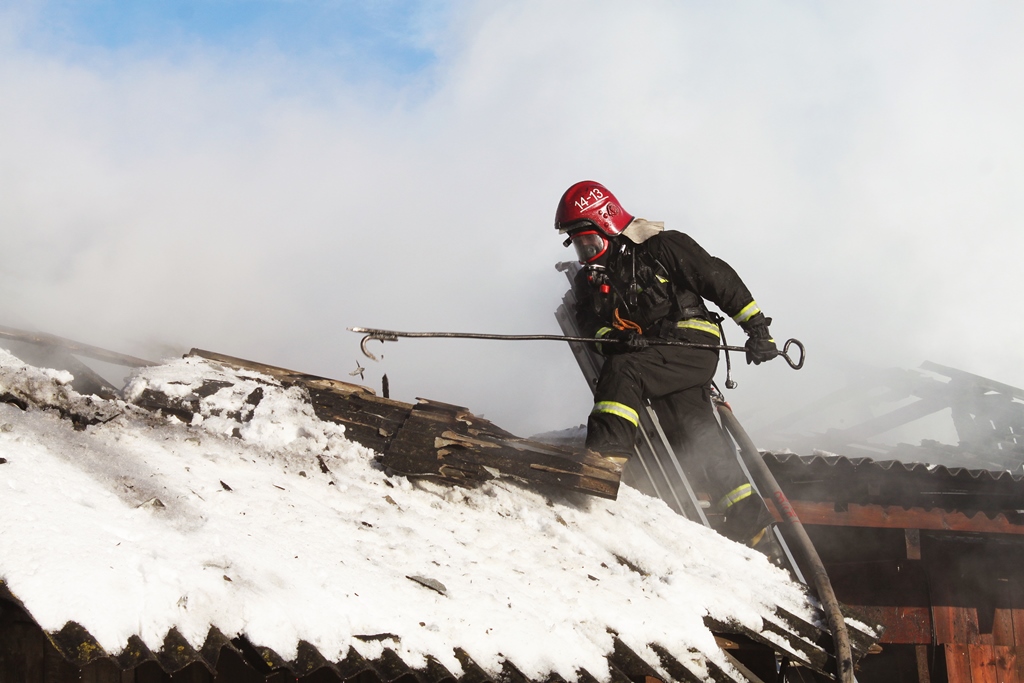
(448, 442)
(431, 439)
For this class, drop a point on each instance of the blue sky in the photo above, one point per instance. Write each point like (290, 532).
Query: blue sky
(383, 38)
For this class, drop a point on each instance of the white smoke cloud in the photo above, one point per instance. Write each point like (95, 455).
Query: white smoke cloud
(860, 165)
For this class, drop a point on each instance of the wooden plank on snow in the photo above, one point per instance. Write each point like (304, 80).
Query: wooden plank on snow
(285, 375)
(437, 440)
(449, 443)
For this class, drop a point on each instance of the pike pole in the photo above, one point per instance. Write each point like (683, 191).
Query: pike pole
(374, 334)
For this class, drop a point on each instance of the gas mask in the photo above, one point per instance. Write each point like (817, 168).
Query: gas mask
(590, 246)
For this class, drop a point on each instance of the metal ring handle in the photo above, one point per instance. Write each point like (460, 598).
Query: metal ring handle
(799, 363)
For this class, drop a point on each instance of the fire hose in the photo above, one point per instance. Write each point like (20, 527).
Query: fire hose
(769, 488)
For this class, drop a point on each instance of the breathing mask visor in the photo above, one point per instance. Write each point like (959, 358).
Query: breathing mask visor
(590, 245)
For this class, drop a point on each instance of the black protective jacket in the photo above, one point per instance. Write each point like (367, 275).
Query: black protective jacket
(657, 284)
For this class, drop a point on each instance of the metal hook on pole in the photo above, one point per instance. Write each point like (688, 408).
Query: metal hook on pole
(373, 335)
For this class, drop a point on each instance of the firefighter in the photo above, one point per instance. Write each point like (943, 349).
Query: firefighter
(641, 282)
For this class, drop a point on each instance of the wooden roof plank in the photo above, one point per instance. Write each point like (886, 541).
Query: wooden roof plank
(892, 517)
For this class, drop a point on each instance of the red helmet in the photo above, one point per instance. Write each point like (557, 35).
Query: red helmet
(590, 205)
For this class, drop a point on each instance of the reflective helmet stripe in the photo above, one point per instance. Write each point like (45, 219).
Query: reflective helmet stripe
(735, 496)
(702, 325)
(747, 312)
(619, 409)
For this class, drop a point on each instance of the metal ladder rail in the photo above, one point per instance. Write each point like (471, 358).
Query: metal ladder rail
(684, 481)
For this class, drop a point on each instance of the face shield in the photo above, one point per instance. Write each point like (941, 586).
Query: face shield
(590, 245)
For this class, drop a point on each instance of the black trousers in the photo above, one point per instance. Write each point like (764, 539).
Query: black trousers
(677, 382)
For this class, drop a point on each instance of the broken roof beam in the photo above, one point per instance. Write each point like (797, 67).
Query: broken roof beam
(283, 374)
(77, 348)
(899, 383)
(983, 384)
(893, 419)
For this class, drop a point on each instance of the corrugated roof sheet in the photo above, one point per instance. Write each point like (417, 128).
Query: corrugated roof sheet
(840, 479)
(793, 637)
(803, 643)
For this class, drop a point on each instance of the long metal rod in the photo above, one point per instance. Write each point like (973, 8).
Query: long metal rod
(823, 586)
(374, 334)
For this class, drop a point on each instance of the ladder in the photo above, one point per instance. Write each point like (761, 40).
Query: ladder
(656, 470)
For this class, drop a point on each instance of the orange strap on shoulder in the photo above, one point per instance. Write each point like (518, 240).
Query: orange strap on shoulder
(620, 323)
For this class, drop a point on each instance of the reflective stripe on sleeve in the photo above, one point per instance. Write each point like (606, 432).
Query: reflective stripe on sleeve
(619, 409)
(747, 312)
(600, 334)
(702, 325)
(735, 496)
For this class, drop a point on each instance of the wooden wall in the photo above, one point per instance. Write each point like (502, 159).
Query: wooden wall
(952, 602)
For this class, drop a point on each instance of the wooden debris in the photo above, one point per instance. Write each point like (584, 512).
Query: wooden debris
(448, 442)
(432, 584)
(428, 439)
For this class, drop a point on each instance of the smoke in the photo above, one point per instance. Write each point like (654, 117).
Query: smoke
(860, 166)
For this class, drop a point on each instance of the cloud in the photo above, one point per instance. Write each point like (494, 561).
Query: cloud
(859, 165)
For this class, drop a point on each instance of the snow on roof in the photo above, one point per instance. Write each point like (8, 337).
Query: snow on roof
(262, 521)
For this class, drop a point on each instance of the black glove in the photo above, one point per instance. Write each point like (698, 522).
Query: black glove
(760, 346)
(629, 340)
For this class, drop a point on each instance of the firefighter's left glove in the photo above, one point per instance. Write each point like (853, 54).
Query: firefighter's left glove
(628, 340)
(760, 346)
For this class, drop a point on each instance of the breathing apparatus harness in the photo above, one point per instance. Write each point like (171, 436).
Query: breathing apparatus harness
(597, 274)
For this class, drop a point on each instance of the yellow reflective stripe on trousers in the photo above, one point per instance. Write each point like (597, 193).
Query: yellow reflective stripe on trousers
(747, 312)
(735, 496)
(616, 408)
(702, 325)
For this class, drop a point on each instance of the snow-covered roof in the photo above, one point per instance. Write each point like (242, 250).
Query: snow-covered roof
(260, 521)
